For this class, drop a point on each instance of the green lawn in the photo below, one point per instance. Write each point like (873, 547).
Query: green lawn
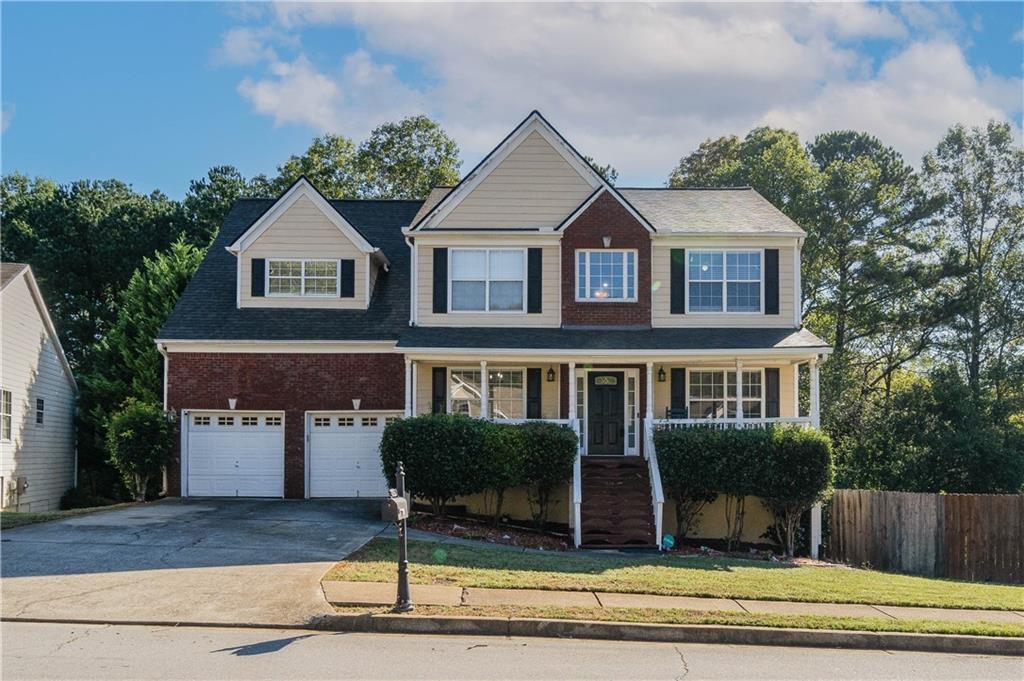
(468, 566)
(675, 616)
(10, 519)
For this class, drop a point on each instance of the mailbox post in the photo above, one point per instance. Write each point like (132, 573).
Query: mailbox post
(396, 508)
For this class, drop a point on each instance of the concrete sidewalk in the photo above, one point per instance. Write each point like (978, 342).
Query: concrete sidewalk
(383, 593)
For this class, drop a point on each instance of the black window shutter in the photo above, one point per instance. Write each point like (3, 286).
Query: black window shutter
(439, 390)
(533, 393)
(771, 281)
(678, 392)
(441, 280)
(677, 275)
(771, 392)
(534, 283)
(348, 279)
(259, 269)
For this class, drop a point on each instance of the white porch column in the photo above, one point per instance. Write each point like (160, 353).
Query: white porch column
(739, 394)
(815, 530)
(408, 388)
(815, 396)
(415, 383)
(796, 389)
(485, 409)
(572, 391)
(649, 412)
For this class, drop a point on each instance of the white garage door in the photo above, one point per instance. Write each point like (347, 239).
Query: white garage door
(235, 454)
(344, 460)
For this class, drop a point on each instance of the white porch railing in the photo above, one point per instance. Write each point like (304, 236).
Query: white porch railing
(726, 424)
(657, 493)
(560, 422)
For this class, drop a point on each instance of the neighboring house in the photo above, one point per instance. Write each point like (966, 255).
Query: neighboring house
(37, 399)
(531, 290)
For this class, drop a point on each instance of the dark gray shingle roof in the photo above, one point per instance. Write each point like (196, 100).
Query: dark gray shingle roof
(739, 210)
(207, 311)
(9, 270)
(612, 339)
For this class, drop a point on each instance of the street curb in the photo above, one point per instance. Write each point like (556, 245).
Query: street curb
(606, 631)
(673, 633)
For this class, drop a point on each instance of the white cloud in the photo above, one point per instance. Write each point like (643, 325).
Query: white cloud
(6, 117)
(1018, 37)
(637, 85)
(243, 46)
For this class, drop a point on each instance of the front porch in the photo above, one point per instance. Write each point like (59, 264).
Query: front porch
(615, 404)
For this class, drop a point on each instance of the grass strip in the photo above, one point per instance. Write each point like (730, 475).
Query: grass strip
(12, 519)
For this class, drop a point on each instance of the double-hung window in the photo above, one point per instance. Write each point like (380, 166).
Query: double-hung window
(724, 281)
(606, 275)
(488, 280)
(6, 414)
(506, 393)
(712, 394)
(302, 278)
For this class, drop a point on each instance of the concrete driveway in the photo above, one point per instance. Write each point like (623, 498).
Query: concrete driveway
(184, 560)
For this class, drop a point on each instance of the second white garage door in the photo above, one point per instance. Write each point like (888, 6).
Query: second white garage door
(344, 457)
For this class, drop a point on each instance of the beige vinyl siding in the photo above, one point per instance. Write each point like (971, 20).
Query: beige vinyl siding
(548, 395)
(32, 369)
(534, 186)
(303, 231)
(663, 391)
(550, 314)
(662, 284)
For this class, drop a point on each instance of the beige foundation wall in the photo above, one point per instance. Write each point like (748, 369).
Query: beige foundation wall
(548, 395)
(661, 262)
(711, 522)
(663, 391)
(516, 505)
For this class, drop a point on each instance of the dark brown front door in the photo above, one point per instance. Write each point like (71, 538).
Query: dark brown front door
(605, 407)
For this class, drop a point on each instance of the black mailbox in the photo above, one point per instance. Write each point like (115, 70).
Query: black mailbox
(395, 508)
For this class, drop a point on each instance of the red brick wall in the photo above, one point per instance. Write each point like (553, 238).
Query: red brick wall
(606, 217)
(292, 383)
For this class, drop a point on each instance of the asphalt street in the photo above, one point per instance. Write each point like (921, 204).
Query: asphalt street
(62, 651)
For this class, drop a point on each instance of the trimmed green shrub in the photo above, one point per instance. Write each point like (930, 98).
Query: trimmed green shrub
(442, 454)
(743, 457)
(139, 440)
(549, 452)
(689, 471)
(798, 475)
(502, 461)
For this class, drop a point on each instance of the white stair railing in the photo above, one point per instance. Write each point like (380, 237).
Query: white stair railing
(577, 489)
(657, 493)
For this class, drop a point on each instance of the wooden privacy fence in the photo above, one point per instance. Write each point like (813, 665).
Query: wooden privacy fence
(977, 537)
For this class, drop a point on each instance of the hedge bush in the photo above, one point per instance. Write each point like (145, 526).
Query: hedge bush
(789, 468)
(447, 456)
(139, 438)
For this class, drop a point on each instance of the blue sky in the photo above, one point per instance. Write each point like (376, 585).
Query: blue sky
(156, 93)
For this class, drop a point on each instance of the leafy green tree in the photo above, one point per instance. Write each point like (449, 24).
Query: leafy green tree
(798, 475)
(139, 442)
(715, 163)
(406, 159)
(607, 171)
(84, 241)
(329, 163)
(209, 198)
(979, 176)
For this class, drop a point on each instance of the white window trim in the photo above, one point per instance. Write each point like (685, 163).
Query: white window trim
(635, 417)
(588, 251)
(302, 279)
(9, 436)
(725, 281)
(487, 280)
(40, 412)
(448, 384)
(726, 399)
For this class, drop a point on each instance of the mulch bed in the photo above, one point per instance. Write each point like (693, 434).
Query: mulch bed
(467, 528)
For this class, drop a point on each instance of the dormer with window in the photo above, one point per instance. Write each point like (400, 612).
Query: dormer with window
(303, 253)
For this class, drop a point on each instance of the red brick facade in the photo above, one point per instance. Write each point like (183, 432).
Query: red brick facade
(606, 217)
(292, 383)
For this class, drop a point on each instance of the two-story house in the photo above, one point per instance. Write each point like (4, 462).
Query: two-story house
(533, 289)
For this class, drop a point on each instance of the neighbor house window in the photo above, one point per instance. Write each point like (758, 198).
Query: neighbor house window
(302, 278)
(40, 408)
(488, 280)
(6, 414)
(724, 281)
(505, 390)
(606, 275)
(713, 394)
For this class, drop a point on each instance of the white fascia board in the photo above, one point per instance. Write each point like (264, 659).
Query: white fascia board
(541, 355)
(302, 187)
(44, 314)
(731, 235)
(259, 346)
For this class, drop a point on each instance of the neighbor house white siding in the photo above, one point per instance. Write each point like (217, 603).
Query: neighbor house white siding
(533, 187)
(32, 369)
(303, 231)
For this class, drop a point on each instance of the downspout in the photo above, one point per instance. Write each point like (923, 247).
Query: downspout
(162, 349)
(413, 275)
